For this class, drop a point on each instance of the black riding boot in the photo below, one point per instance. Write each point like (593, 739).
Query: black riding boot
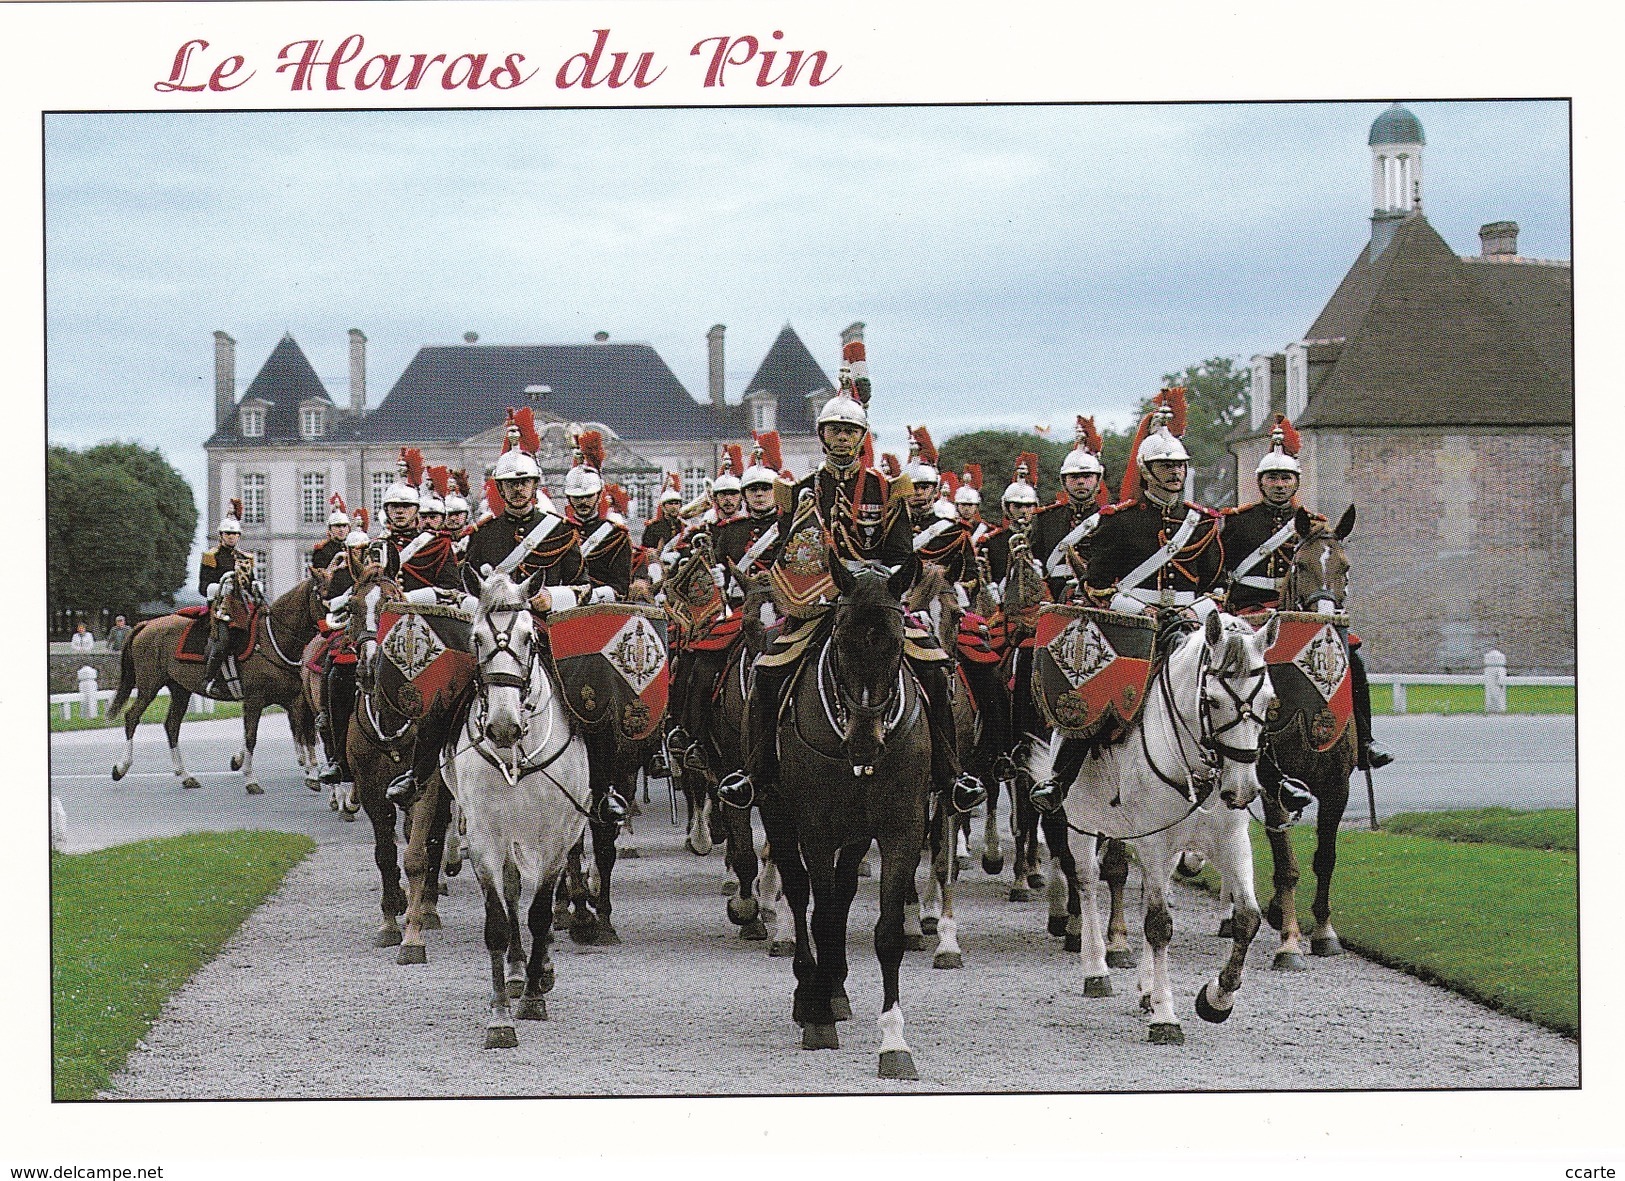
(339, 692)
(738, 790)
(213, 657)
(1371, 756)
(1048, 796)
(606, 805)
(963, 792)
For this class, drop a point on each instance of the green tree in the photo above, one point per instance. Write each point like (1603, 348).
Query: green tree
(1216, 397)
(998, 453)
(119, 525)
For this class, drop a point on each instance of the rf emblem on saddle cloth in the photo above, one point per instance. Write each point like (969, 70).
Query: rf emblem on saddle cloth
(1090, 667)
(1309, 669)
(611, 661)
(800, 576)
(426, 651)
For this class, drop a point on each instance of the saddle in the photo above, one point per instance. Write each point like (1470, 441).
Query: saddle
(193, 644)
(975, 640)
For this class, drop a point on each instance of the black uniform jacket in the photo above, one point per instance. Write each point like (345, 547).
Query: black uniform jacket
(1131, 532)
(558, 555)
(610, 562)
(1247, 528)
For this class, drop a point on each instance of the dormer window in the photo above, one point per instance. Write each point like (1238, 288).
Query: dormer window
(312, 422)
(252, 421)
(763, 410)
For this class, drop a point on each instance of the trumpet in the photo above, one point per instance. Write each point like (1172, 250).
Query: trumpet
(698, 505)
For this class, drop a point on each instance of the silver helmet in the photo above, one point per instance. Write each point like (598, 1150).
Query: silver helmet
(1283, 453)
(842, 410)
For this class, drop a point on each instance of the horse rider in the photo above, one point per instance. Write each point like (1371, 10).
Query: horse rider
(968, 503)
(1259, 542)
(750, 540)
(1019, 505)
(606, 546)
(432, 500)
(863, 521)
(428, 569)
(527, 537)
(1155, 553)
(1061, 531)
(213, 566)
(457, 525)
(661, 529)
(330, 550)
(339, 658)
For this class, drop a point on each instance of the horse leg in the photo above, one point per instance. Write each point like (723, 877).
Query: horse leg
(930, 901)
(1114, 869)
(1156, 992)
(829, 920)
(783, 939)
(382, 815)
(944, 868)
(744, 908)
(1282, 911)
(1234, 853)
(698, 841)
(251, 728)
(797, 886)
(1062, 879)
(897, 865)
(583, 923)
(539, 968)
(1093, 962)
(179, 699)
(603, 856)
(499, 1030)
(1328, 816)
(421, 863)
(992, 853)
(517, 967)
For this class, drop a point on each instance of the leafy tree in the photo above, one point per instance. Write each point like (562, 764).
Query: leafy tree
(119, 525)
(1216, 395)
(998, 452)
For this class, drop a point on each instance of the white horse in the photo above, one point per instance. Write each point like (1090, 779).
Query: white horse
(519, 776)
(1181, 780)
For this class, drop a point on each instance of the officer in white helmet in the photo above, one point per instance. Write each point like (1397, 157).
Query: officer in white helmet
(606, 546)
(213, 567)
(1061, 534)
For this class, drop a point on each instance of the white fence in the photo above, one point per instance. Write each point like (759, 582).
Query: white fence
(91, 698)
(1494, 679)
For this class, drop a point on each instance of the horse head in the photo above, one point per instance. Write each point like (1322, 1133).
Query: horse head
(371, 591)
(506, 651)
(866, 651)
(1024, 587)
(758, 612)
(1318, 580)
(1234, 696)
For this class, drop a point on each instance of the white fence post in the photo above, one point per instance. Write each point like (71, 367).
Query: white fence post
(1399, 697)
(1495, 682)
(87, 690)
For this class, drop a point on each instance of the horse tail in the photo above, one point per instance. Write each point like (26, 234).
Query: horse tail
(126, 674)
(1041, 759)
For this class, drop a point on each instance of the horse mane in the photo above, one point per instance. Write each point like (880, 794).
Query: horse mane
(934, 582)
(501, 594)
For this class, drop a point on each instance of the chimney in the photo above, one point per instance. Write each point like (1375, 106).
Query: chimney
(358, 373)
(225, 377)
(1500, 239)
(713, 353)
(853, 331)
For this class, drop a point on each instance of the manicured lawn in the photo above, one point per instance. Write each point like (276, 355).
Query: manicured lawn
(131, 924)
(1496, 923)
(153, 717)
(1555, 828)
(1469, 699)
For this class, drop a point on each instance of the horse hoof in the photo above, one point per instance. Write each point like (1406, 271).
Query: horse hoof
(755, 931)
(1227, 929)
(1057, 925)
(928, 925)
(332, 804)
(1167, 1033)
(431, 921)
(313, 783)
(898, 1064)
(501, 1037)
(782, 948)
(191, 784)
(689, 845)
(532, 1008)
(993, 866)
(742, 910)
(237, 762)
(347, 816)
(819, 1037)
(606, 935)
(1074, 943)
(913, 942)
(841, 1007)
(1097, 986)
(1121, 959)
(452, 870)
(1289, 961)
(947, 959)
(1326, 945)
(1036, 881)
(253, 788)
(118, 773)
(412, 953)
(1207, 1011)
(1020, 894)
(386, 939)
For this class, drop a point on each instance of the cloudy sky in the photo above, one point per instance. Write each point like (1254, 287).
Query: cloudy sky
(1014, 264)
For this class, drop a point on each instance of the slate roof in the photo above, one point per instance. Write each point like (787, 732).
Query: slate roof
(285, 381)
(451, 392)
(790, 373)
(1431, 339)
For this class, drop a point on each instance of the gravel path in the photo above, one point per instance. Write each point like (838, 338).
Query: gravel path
(299, 1004)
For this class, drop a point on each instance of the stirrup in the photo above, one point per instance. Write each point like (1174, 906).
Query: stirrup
(609, 808)
(678, 741)
(1004, 768)
(403, 789)
(966, 793)
(330, 774)
(1373, 756)
(659, 767)
(1294, 795)
(737, 790)
(1048, 796)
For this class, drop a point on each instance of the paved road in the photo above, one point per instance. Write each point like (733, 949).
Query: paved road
(1443, 762)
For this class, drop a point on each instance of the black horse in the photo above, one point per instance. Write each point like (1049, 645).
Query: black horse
(855, 757)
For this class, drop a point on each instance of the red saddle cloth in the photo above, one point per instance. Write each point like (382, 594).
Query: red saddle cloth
(194, 642)
(723, 632)
(975, 640)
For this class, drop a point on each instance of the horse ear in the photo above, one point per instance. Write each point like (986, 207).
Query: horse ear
(1272, 631)
(1213, 630)
(1345, 524)
(841, 573)
(1303, 522)
(898, 580)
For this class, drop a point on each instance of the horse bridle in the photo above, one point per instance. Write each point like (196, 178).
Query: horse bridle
(270, 631)
(838, 709)
(1212, 751)
(1321, 594)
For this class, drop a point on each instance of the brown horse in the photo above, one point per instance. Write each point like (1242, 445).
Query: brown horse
(268, 675)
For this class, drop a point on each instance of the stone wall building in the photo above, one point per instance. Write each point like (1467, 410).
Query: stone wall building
(1436, 393)
(285, 446)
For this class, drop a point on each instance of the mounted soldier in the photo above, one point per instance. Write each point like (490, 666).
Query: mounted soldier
(1153, 554)
(968, 503)
(424, 559)
(457, 510)
(220, 592)
(1062, 531)
(606, 546)
(432, 494)
(661, 529)
(844, 511)
(338, 657)
(331, 548)
(1260, 540)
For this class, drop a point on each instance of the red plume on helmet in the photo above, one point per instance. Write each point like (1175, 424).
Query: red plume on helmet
(237, 508)
(772, 449)
(493, 496)
(1290, 439)
(591, 446)
(890, 467)
(440, 480)
(459, 480)
(949, 485)
(412, 471)
(856, 362)
(674, 481)
(1029, 461)
(1089, 436)
(922, 443)
(1173, 397)
(1129, 487)
(361, 518)
(618, 498)
(973, 475)
(733, 460)
(866, 454)
(525, 419)
(336, 503)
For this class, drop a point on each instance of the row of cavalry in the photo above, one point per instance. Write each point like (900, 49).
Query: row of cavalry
(1173, 789)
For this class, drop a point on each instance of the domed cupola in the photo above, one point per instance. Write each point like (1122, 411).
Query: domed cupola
(1396, 141)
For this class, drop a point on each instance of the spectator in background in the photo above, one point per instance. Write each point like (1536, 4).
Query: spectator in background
(118, 635)
(82, 640)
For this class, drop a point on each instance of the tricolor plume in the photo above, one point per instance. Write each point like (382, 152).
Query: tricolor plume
(591, 446)
(772, 449)
(973, 475)
(890, 466)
